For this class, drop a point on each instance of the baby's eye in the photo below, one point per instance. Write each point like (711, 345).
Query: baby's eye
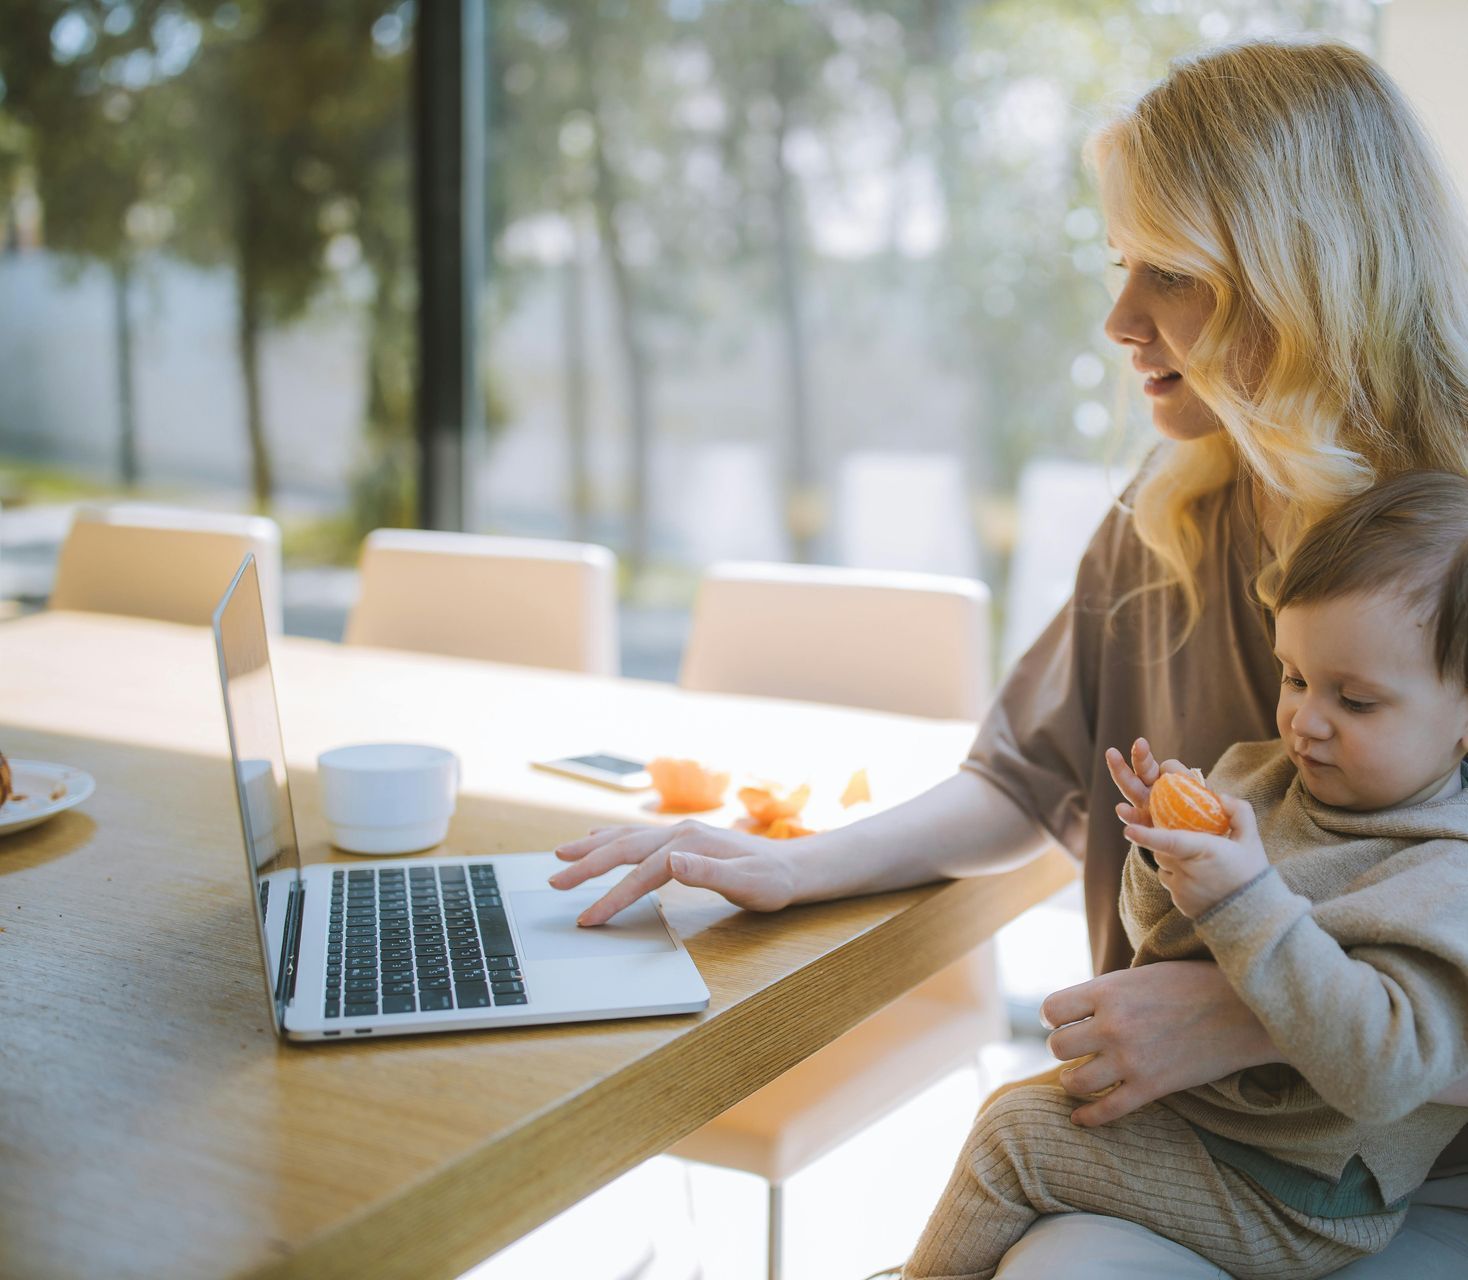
(1294, 682)
(1351, 704)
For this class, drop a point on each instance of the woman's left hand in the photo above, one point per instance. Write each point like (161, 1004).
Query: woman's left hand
(1151, 1031)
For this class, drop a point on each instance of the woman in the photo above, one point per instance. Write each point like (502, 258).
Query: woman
(1295, 297)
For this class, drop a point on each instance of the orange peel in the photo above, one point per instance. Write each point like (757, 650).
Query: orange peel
(766, 805)
(785, 829)
(858, 790)
(685, 786)
(1182, 802)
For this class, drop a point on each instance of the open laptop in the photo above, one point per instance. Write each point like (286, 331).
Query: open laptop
(398, 946)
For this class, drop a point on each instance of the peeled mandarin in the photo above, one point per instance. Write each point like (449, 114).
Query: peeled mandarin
(765, 805)
(1180, 802)
(685, 786)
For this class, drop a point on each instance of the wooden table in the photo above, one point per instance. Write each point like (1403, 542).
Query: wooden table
(150, 1122)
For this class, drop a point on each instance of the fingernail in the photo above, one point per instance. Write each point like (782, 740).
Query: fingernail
(678, 863)
(1045, 1022)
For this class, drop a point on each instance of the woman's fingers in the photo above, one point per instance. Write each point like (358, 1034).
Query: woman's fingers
(1091, 1076)
(1070, 1004)
(1119, 1102)
(614, 848)
(1075, 1041)
(650, 875)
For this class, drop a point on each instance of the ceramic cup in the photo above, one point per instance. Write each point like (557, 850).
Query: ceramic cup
(388, 797)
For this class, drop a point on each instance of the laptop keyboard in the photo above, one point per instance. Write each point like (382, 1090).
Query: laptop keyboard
(419, 939)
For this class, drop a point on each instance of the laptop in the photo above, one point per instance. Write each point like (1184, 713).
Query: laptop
(408, 945)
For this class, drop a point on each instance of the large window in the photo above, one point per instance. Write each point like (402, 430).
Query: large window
(816, 279)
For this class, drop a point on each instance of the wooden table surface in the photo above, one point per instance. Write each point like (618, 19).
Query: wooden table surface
(150, 1122)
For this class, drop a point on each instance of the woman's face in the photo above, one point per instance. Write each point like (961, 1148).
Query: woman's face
(1157, 317)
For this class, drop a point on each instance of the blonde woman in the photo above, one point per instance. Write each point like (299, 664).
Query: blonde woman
(1295, 299)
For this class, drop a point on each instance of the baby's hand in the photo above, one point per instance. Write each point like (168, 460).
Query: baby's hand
(1200, 870)
(1136, 782)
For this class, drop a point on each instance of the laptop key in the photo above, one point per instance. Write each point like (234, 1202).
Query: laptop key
(507, 988)
(359, 1010)
(397, 989)
(472, 995)
(429, 1001)
(512, 997)
(501, 962)
(333, 1009)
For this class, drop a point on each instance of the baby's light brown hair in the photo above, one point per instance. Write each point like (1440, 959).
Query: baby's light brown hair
(1408, 537)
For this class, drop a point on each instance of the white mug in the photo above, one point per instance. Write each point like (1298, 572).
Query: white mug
(388, 797)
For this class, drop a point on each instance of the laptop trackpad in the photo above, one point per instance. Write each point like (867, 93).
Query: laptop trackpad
(546, 919)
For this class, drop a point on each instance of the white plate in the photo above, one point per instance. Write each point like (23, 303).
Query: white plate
(48, 789)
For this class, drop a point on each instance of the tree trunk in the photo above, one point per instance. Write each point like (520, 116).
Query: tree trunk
(804, 514)
(629, 331)
(127, 422)
(573, 350)
(262, 480)
(944, 32)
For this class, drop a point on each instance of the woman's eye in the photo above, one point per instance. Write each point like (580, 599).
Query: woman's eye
(1171, 279)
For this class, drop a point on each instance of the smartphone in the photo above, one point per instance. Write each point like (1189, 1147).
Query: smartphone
(603, 768)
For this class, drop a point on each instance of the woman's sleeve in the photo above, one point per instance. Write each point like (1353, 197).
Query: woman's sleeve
(1038, 741)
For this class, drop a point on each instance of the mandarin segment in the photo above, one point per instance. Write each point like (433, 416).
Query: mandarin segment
(1180, 802)
(685, 786)
(6, 787)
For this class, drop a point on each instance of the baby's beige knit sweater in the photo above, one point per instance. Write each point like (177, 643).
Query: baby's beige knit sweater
(1353, 952)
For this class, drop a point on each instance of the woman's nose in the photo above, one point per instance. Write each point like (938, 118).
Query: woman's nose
(1129, 322)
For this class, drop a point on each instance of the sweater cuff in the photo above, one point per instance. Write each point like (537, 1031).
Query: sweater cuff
(1251, 918)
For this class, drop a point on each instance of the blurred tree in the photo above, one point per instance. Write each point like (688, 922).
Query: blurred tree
(88, 81)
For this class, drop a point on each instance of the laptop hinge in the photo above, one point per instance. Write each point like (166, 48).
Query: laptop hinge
(290, 944)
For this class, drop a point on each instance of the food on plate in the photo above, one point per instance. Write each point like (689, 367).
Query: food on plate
(1183, 802)
(858, 790)
(685, 786)
(7, 785)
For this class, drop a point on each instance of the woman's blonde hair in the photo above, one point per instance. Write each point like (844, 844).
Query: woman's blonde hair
(1293, 181)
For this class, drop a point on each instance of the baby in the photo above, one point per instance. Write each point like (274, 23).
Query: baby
(1336, 906)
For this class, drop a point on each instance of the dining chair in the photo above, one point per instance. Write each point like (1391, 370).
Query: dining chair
(147, 560)
(530, 601)
(891, 641)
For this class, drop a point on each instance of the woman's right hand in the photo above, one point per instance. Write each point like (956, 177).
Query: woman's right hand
(750, 871)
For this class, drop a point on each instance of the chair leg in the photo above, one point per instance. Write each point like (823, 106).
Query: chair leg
(776, 1233)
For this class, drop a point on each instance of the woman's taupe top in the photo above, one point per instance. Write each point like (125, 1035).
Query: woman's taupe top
(1094, 680)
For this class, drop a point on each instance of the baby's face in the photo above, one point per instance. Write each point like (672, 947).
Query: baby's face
(1362, 710)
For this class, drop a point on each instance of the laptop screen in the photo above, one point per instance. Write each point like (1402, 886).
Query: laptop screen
(258, 756)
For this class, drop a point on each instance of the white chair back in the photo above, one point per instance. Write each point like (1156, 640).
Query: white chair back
(524, 600)
(170, 563)
(913, 643)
